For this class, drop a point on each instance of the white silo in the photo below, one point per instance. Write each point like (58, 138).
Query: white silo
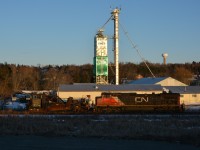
(164, 55)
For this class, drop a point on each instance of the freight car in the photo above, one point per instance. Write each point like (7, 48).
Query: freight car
(43, 103)
(130, 102)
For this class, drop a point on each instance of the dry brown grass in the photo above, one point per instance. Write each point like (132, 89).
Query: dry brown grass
(152, 127)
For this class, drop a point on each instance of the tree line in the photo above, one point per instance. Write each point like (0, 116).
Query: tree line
(22, 77)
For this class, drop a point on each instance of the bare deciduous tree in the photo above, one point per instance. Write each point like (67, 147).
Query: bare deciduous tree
(182, 74)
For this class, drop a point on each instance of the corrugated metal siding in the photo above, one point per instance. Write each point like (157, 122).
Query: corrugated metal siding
(190, 95)
(189, 99)
(184, 89)
(122, 87)
(78, 95)
(82, 90)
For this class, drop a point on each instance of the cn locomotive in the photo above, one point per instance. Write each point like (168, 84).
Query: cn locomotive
(130, 102)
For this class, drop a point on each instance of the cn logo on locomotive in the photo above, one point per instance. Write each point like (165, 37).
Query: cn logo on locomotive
(141, 99)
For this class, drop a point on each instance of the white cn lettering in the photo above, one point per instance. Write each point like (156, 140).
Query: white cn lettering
(141, 99)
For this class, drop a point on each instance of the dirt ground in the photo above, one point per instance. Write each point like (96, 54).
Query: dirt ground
(24, 142)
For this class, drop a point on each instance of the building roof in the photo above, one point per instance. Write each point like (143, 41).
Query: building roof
(184, 89)
(148, 80)
(121, 87)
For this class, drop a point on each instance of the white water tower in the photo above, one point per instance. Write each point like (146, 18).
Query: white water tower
(164, 55)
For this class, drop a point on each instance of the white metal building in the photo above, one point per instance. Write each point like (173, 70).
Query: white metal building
(78, 91)
(190, 95)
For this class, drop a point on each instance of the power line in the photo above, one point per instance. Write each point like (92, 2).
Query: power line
(137, 50)
(106, 23)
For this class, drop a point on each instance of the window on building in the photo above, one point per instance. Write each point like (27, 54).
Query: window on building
(194, 95)
(181, 95)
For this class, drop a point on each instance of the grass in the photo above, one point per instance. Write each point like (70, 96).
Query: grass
(174, 128)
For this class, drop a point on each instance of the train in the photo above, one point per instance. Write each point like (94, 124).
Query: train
(106, 103)
(132, 102)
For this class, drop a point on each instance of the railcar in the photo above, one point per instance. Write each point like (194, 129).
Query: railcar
(42, 103)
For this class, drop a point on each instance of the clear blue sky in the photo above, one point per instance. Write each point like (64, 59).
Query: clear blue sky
(58, 32)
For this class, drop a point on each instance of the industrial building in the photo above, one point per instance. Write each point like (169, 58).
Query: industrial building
(140, 86)
(91, 91)
(190, 95)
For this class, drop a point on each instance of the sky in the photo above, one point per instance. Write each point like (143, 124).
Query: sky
(61, 32)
